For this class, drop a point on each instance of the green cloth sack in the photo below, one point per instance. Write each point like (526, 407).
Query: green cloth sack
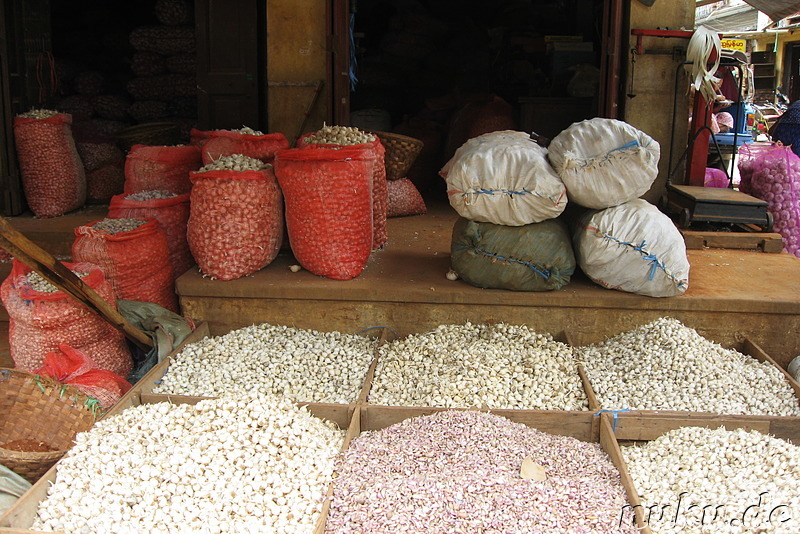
(533, 257)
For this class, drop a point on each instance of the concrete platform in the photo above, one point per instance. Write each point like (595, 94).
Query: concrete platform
(732, 294)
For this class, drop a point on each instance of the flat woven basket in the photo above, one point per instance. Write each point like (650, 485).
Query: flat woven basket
(36, 409)
(150, 133)
(401, 153)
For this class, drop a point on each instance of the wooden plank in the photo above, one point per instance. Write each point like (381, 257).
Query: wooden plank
(765, 242)
(353, 430)
(609, 443)
(41, 261)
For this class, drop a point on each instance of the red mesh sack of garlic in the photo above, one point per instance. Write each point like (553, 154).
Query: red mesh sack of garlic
(134, 255)
(41, 317)
(351, 137)
(199, 137)
(246, 141)
(53, 177)
(235, 225)
(74, 367)
(776, 179)
(328, 195)
(404, 199)
(149, 168)
(172, 213)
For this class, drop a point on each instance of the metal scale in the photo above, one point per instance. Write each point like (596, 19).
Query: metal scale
(696, 203)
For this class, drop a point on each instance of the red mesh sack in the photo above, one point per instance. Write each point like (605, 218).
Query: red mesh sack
(404, 199)
(380, 190)
(136, 263)
(748, 153)
(235, 225)
(228, 142)
(172, 215)
(150, 168)
(53, 177)
(40, 321)
(199, 137)
(75, 368)
(328, 194)
(105, 182)
(776, 179)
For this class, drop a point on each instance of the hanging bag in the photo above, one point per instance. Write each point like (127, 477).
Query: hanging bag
(236, 221)
(135, 262)
(39, 320)
(328, 193)
(53, 177)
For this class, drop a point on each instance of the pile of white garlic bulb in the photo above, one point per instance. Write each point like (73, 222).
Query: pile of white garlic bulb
(483, 366)
(38, 114)
(228, 465)
(665, 365)
(339, 135)
(235, 162)
(300, 364)
(703, 481)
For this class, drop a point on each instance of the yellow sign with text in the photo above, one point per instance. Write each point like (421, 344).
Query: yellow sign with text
(734, 44)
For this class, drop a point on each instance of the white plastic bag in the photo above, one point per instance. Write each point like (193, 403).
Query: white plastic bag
(632, 247)
(504, 178)
(604, 162)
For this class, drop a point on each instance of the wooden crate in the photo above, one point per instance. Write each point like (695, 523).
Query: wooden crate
(581, 425)
(643, 424)
(631, 429)
(20, 516)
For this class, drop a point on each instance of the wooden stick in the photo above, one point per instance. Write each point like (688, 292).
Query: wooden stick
(60, 276)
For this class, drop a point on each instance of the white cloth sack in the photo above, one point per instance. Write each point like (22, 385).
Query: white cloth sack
(604, 162)
(504, 178)
(632, 247)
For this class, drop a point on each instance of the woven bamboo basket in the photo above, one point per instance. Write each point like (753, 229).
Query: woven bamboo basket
(39, 410)
(401, 152)
(150, 133)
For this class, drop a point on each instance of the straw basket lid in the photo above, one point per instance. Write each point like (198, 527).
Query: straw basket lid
(37, 412)
(401, 152)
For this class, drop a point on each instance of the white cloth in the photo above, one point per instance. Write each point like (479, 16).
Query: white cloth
(632, 247)
(504, 178)
(604, 162)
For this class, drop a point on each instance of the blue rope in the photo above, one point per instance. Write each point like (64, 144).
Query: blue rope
(655, 263)
(614, 414)
(544, 273)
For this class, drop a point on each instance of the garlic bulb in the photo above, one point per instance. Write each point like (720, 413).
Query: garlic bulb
(717, 481)
(248, 463)
(303, 365)
(665, 365)
(485, 366)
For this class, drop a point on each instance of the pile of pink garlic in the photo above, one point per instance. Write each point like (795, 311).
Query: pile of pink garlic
(466, 471)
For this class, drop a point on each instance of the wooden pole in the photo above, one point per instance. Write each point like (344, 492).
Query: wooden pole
(60, 276)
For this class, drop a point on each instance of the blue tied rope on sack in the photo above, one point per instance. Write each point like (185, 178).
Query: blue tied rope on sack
(544, 273)
(655, 263)
(614, 415)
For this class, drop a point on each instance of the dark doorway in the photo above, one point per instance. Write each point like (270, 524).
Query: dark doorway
(791, 71)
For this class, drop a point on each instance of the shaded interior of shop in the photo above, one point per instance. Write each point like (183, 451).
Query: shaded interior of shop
(441, 71)
(444, 71)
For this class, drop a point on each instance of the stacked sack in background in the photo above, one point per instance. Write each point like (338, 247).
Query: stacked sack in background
(622, 242)
(509, 199)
